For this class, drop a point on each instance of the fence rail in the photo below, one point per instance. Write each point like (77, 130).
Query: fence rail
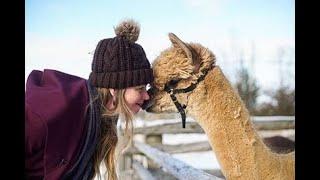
(193, 127)
(176, 167)
(179, 148)
(143, 173)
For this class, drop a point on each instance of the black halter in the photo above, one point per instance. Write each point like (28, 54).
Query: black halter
(173, 92)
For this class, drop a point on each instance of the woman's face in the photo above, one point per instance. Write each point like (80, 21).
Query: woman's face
(135, 96)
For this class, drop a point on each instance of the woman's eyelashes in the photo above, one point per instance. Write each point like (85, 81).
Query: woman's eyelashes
(141, 88)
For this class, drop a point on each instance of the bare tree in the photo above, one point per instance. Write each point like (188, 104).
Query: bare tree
(247, 88)
(285, 103)
(283, 98)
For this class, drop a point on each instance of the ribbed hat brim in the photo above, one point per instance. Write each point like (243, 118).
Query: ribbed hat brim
(122, 79)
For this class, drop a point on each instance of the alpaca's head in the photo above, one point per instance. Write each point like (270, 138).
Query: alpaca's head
(178, 67)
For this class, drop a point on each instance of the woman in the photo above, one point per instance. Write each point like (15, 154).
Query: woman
(71, 122)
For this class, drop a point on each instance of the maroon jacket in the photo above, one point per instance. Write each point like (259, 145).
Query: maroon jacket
(55, 123)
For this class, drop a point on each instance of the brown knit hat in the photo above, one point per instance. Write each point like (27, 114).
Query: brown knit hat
(119, 62)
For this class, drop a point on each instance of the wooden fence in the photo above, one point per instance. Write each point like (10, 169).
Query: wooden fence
(149, 159)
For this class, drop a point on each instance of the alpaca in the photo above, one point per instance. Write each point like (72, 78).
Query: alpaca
(218, 109)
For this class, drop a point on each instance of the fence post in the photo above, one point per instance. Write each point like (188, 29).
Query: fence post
(125, 160)
(153, 140)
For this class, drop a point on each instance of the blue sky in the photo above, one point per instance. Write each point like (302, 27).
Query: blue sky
(60, 33)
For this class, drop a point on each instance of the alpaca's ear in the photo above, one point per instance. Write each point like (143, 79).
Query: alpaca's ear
(177, 43)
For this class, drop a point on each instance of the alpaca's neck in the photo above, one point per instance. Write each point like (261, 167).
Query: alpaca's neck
(226, 121)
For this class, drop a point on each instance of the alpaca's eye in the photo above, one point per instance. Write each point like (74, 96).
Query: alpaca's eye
(174, 82)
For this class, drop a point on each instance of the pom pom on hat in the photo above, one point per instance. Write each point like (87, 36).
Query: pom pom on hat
(129, 29)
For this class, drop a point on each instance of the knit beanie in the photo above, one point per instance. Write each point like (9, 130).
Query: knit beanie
(119, 62)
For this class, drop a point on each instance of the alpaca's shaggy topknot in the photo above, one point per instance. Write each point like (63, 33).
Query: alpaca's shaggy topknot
(128, 29)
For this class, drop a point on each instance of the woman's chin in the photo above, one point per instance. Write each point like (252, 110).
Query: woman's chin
(135, 110)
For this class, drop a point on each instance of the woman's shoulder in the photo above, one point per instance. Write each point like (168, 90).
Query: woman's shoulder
(51, 77)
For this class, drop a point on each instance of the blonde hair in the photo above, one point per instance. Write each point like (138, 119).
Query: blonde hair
(106, 149)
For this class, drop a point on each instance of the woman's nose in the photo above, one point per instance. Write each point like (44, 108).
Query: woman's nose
(146, 95)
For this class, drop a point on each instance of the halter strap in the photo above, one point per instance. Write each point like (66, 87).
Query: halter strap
(172, 92)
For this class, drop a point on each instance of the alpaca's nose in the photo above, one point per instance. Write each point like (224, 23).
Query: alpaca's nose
(151, 91)
(147, 104)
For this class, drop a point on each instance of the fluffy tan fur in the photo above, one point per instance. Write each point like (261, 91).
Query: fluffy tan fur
(219, 110)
